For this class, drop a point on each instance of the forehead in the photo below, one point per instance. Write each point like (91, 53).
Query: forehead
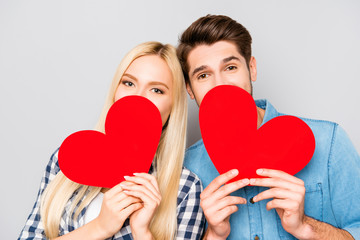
(147, 61)
(150, 67)
(204, 54)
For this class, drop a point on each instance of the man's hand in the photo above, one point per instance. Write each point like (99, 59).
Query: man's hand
(288, 193)
(218, 205)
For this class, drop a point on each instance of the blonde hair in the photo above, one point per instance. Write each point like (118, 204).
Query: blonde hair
(168, 158)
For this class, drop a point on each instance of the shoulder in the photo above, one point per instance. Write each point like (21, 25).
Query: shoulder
(329, 136)
(324, 131)
(320, 125)
(333, 146)
(54, 161)
(52, 168)
(199, 145)
(188, 178)
(190, 183)
(315, 124)
(194, 153)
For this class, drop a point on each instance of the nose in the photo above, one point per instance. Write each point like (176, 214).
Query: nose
(140, 92)
(220, 80)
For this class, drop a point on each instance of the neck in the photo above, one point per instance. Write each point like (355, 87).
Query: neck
(260, 116)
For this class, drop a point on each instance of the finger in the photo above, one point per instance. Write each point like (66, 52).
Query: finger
(115, 198)
(126, 212)
(151, 178)
(229, 188)
(119, 206)
(143, 181)
(115, 195)
(114, 190)
(223, 214)
(143, 189)
(283, 204)
(279, 174)
(228, 201)
(144, 197)
(218, 182)
(276, 182)
(278, 193)
(127, 183)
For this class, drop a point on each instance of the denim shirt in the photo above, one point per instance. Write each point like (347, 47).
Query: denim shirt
(332, 182)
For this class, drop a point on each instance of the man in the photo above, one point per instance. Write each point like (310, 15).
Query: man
(320, 202)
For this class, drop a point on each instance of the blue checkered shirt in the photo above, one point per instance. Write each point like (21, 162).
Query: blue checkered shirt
(190, 217)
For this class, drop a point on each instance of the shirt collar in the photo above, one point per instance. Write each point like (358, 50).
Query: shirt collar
(270, 111)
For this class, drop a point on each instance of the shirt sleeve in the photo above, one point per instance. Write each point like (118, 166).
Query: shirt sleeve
(344, 179)
(34, 228)
(191, 218)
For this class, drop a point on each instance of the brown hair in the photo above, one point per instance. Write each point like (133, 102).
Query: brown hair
(209, 30)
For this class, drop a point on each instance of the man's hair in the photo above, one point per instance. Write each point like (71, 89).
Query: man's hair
(209, 30)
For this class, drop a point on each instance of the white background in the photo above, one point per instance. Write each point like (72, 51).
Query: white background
(57, 59)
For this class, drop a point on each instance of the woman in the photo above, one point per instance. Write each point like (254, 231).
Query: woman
(164, 205)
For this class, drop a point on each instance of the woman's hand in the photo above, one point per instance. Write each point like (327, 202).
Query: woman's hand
(145, 187)
(116, 207)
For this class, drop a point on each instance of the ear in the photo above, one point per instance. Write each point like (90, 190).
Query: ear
(253, 70)
(189, 90)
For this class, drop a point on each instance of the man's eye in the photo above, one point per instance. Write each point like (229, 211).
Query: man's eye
(202, 76)
(231, 68)
(156, 90)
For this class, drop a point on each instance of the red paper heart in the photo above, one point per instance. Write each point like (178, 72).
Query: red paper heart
(133, 128)
(228, 124)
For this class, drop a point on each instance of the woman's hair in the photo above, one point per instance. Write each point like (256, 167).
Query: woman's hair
(168, 158)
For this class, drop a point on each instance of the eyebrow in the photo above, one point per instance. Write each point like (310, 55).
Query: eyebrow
(159, 83)
(150, 83)
(225, 60)
(228, 59)
(130, 76)
(198, 69)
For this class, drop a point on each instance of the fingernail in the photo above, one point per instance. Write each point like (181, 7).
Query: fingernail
(252, 181)
(259, 171)
(126, 177)
(234, 172)
(135, 174)
(126, 191)
(245, 181)
(254, 198)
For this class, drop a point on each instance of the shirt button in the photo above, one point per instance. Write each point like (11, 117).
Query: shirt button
(256, 237)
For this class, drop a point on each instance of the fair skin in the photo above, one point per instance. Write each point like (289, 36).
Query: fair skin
(139, 196)
(221, 64)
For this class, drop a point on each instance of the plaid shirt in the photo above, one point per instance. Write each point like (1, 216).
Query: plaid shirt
(190, 217)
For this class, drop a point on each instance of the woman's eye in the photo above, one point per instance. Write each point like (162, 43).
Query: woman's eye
(127, 83)
(156, 90)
